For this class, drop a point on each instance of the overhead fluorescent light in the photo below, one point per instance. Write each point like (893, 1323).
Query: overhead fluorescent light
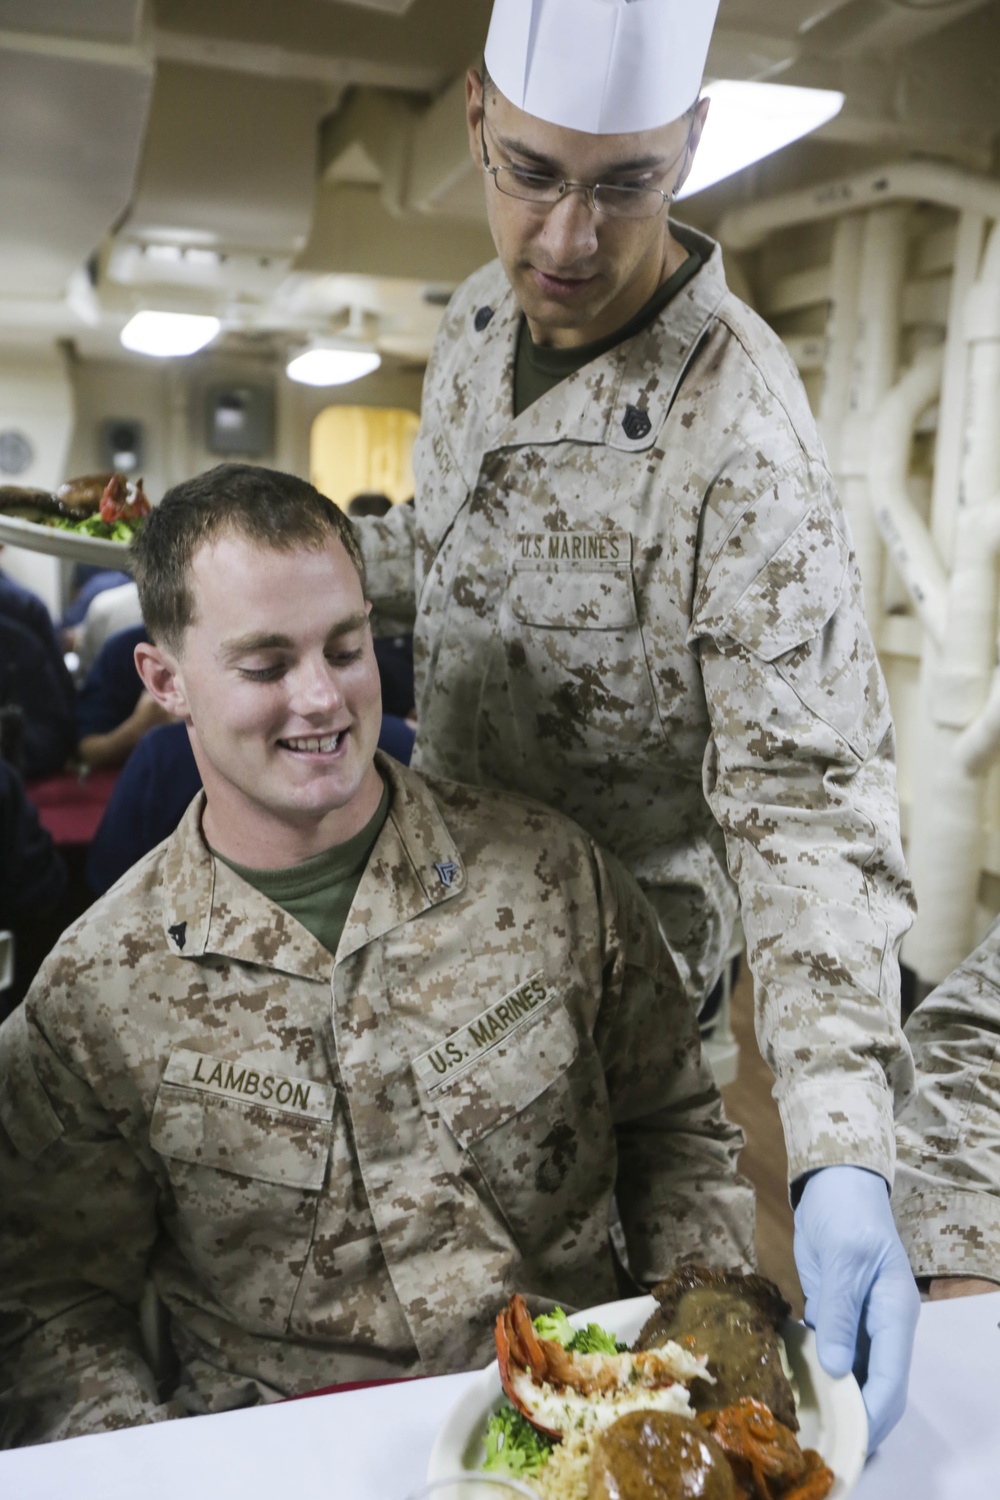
(164, 334)
(748, 121)
(329, 365)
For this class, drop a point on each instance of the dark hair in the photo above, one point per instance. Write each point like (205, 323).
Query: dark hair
(369, 503)
(263, 505)
(487, 80)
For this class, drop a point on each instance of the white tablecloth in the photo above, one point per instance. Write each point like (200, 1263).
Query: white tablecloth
(375, 1444)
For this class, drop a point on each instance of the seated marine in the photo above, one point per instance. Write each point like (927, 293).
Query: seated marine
(348, 1058)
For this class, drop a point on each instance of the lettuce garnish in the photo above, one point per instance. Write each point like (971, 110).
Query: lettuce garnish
(113, 531)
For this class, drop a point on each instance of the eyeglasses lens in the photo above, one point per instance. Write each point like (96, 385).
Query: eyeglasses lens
(614, 202)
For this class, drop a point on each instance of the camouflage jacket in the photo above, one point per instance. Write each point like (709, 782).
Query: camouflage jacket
(639, 604)
(340, 1169)
(946, 1197)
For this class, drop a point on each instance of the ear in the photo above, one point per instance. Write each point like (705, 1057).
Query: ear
(474, 114)
(694, 136)
(161, 677)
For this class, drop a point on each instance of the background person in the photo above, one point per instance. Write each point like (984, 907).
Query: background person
(113, 711)
(32, 886)
(37, 729)
(638, 602)
(368, 503)
(36, 690)
(348, 1059)
(87, 583)
(113, 609)
(947, 1192)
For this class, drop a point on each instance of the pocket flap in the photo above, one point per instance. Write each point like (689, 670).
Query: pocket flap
(237, 1116)
(584, 593)
(793, 597)
(508, 1077)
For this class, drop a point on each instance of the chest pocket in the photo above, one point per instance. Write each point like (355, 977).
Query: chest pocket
(575, 666)
(249, 1140)
(508, 1078)
(591, 595)
(245, 1175)
(532, 1115)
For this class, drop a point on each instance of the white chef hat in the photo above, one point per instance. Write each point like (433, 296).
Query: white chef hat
(604, 66)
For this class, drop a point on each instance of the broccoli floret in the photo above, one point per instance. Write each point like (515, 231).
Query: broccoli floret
(594, 1340)
(555, 1325)
(513, 1446)
(590, 1340)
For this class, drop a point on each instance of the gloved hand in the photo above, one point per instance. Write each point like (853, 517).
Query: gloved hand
(860, 1294)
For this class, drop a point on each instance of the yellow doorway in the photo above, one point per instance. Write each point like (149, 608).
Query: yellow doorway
(356, 448)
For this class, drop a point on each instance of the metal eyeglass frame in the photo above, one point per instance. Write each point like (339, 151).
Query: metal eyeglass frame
(566, 185)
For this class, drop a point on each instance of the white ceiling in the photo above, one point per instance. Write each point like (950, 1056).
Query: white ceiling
(281, 163)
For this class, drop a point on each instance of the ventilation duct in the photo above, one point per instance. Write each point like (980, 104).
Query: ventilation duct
(73, 110)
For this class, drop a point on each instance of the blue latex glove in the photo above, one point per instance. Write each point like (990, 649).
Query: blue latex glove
(860, 1294)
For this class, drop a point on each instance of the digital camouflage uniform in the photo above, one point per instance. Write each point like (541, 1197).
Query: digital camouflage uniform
(335, 1171)
(946, 1198)
(637, 602)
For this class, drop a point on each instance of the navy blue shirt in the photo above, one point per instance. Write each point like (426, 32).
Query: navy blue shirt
(32, 875)
(394, 654)
(156, 784)
(29, 679)
(25, 608)
(94, 584)
(153, 788)
(112, 687)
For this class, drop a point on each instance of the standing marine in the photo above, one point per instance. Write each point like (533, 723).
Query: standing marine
(635, 599)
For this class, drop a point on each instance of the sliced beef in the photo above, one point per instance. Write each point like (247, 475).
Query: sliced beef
(733, 1319)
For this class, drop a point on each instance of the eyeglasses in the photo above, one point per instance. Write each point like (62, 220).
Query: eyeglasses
(613, 200)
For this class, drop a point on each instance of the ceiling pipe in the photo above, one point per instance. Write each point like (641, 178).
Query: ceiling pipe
(934, 182)
(960, 733)
(902, 528)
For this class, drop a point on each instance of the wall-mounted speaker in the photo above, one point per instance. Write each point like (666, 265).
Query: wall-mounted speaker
(240, 420)
(122, 446)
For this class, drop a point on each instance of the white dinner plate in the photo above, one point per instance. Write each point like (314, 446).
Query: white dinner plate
(832, 1415)
(59, 543)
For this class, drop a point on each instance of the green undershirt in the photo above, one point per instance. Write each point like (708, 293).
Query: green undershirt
(539, 367)
(319, 892)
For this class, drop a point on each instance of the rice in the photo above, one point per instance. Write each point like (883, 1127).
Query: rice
(566, 1475)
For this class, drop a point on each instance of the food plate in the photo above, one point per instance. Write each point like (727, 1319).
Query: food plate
(831, 1412)
(58, 543)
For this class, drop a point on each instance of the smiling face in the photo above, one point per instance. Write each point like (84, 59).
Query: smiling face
(578, 275)
(277, 681)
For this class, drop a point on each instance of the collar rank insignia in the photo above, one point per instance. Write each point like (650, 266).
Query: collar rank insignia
(447, 871)
(636, 422)
(482, 318)
(178, 932)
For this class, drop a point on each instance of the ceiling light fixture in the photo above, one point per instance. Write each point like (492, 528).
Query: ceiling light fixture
(748, 121)
(165, 334)
(331, 364)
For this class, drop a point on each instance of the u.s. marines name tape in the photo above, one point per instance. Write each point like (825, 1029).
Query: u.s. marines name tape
(575, 546)
(441, 1063)
(249, 1080)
